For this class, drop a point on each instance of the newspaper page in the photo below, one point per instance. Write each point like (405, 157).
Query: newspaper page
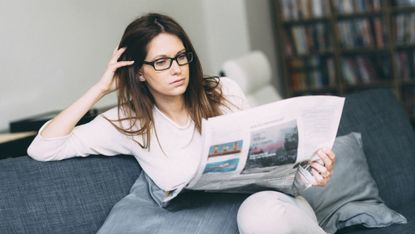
(267, 147)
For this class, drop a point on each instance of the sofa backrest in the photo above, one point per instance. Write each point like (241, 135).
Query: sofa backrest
(388, 141)
(69, 196)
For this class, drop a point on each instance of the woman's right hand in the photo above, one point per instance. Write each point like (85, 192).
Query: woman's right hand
(64, 122)
(108, 83)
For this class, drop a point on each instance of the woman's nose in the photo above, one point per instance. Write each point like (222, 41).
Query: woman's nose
(175, 67)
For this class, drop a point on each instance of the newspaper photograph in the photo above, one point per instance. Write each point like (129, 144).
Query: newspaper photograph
(267, 147)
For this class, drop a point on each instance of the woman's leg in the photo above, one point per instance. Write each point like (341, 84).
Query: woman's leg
(272, 212)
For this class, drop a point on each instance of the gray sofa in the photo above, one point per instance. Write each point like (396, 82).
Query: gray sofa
(76, 195)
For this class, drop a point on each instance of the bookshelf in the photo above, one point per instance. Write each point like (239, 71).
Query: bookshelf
(343, 46)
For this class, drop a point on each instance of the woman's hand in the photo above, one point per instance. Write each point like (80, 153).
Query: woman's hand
(108, 83)
(323, 170)
(64, 122)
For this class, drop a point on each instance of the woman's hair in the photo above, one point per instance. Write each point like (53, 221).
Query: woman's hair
(202, 97)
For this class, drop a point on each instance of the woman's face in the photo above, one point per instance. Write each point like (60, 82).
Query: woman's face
(171, 82)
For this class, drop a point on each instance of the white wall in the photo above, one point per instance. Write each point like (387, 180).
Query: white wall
(226, 31)
(260, 33)
(53, 50)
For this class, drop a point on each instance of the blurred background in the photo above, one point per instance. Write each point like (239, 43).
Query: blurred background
(52, 51)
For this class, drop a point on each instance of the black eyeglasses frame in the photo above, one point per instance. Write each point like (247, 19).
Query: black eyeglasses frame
(189, 56)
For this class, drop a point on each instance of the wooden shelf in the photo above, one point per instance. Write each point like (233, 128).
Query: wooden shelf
(405, 47)
(306, 21)
(340, 62)
(405, 9)
(372, 84)
(358, 15)
(314, 91)
(408, 82)
(311, 54)
(362, 50)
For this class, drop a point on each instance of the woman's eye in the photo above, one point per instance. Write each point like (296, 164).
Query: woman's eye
(160, 62)
(182, 57)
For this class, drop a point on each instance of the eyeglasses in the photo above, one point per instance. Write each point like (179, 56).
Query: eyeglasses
(162, 64)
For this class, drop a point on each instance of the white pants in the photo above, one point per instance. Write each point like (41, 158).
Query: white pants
(271, 212)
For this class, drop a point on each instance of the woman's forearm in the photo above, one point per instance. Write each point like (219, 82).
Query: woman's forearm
(65, 121)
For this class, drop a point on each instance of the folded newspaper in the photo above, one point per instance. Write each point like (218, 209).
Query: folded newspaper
(267, 147)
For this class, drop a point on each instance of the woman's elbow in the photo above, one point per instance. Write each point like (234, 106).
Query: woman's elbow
(37, 154)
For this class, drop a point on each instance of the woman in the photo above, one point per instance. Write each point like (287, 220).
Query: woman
(162, 99)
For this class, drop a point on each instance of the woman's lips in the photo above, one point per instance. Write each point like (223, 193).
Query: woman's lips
(177, 82)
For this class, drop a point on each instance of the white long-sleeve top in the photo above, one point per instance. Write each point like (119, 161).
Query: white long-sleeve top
(169, 170)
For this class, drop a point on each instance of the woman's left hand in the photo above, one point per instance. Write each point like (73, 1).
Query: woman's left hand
(323, 170)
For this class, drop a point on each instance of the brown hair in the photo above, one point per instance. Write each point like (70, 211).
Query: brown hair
(202, 97)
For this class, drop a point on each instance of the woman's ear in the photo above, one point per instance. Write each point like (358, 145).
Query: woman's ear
(140, 76)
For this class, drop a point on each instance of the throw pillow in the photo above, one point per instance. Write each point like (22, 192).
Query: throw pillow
(351, 197)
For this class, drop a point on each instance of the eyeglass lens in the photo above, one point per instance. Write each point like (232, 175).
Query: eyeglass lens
(165, 63)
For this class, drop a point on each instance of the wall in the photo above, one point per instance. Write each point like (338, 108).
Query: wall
(226, 31)
(53, 50)
(260, 33)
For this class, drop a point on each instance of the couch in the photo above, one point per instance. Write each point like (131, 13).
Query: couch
(76, 195)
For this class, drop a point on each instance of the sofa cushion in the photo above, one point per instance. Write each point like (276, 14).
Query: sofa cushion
(389, 142)
(351, 197)
(190, 212)
(69, 196)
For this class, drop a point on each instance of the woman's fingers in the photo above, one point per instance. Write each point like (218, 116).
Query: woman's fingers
(327, 158)
(117, 55)
(108, 83)
(114, 64)
(323, 170)
(122, 64)
(115, 50)
(319, 179)
(331, 154)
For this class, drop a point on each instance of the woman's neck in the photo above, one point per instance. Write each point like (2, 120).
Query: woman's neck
(174, 108)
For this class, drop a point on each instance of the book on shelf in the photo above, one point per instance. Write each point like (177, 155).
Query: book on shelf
(365, 69)
(405, 65)
(379, 33)
(348, 72)
(312, 72)
(357, 6)
(299, 37)
(359, 33)
(339, 46)
(403, 3)
(304, 9)
(408, 98)
(404, 29)
(302, 40)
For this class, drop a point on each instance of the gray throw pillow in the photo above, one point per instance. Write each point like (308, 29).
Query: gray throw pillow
(351, 197)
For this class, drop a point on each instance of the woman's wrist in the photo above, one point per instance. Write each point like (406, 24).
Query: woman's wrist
(100, 90)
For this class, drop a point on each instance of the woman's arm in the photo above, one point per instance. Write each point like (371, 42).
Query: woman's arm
(64, 122)
(59, 138)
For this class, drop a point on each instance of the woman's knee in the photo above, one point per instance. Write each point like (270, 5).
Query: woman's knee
(273, 212)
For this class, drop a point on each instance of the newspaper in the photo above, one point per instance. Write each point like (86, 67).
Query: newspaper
(267, 147)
